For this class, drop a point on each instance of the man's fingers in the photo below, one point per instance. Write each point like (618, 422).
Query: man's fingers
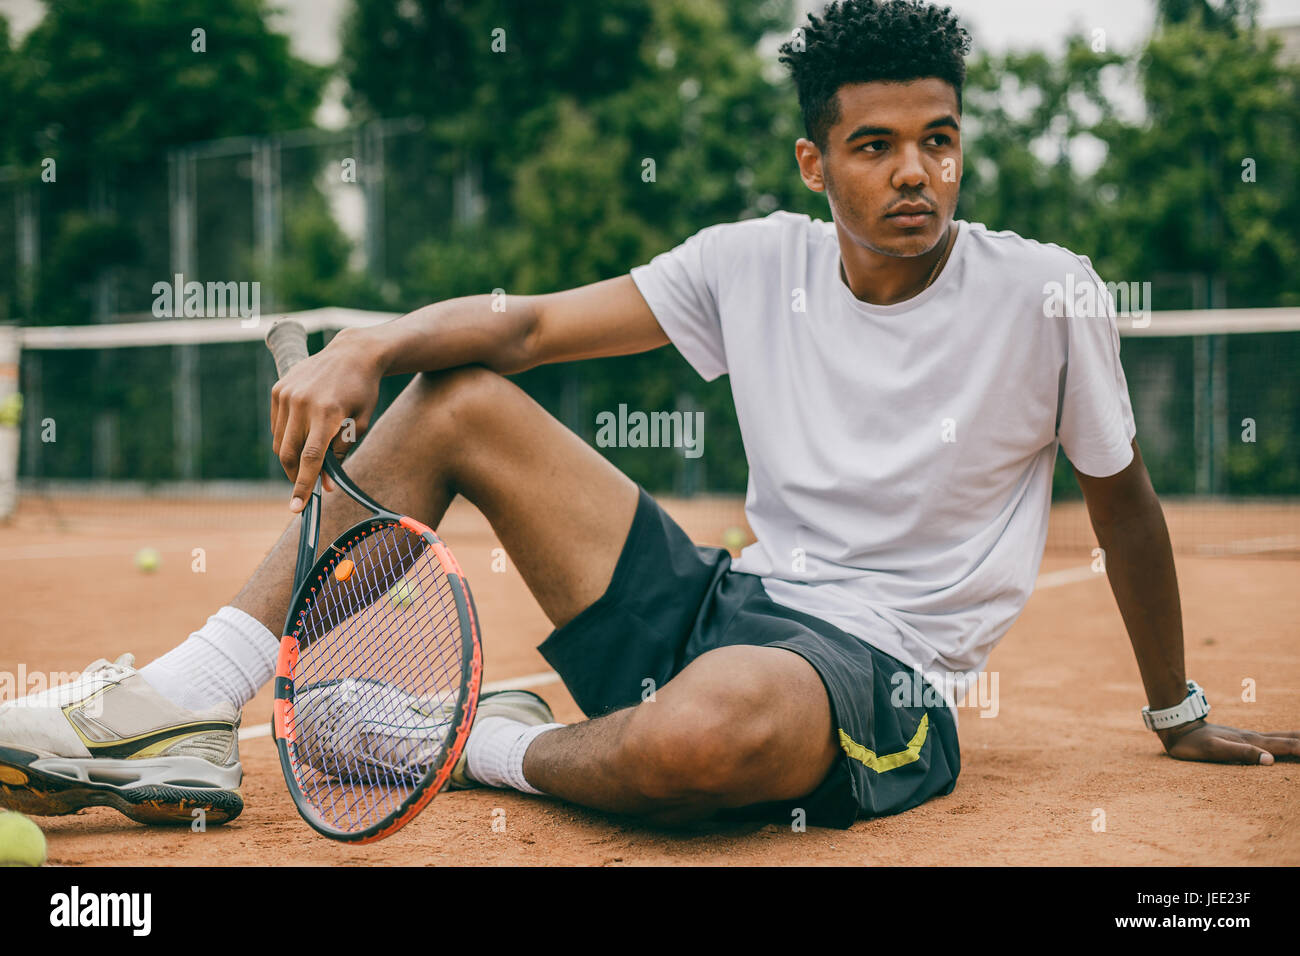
(348, 434)
(1279, 745)
(279, 419)
(310, 461)
(304, 426)
(1227, 750)
(341, 446)
(303, 457)
(289, 444)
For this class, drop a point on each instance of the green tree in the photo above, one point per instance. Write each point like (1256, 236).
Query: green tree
(1025, 117)
(1207, 186)
(98, 93)
(115, 82)
(559, 118)
(604, 136)
(1225, 15)
(12, 120)
(1199, 196)
(105, 88)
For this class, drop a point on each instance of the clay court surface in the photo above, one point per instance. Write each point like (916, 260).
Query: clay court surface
(1066, 744)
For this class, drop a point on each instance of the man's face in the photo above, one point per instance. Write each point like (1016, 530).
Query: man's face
(892, 166)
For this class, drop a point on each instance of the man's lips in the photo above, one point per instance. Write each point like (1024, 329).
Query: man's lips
(910, 208)
(908, 217)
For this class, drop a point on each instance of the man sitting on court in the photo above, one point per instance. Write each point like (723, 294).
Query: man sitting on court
(902, 381)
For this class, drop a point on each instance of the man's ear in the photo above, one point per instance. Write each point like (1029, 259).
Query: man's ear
(809, 158)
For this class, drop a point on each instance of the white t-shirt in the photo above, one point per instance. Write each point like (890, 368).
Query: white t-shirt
(900, 456)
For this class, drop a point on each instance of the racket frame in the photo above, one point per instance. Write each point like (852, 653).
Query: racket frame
(309, 569)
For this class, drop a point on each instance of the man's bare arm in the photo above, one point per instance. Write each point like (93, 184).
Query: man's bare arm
(310, 404)
(514, 333)
(1130, 528)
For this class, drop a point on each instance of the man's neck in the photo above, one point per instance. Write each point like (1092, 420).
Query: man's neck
(892, 283)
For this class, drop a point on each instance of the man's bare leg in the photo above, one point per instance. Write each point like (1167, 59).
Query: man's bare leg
(559, 508)
(740, 725)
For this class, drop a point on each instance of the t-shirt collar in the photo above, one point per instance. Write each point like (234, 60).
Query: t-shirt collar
(916, 301)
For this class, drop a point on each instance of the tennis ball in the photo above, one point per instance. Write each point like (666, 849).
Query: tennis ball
(21, 842)
(733, 539)
(11, 410)
(147, 559)
(403, 593)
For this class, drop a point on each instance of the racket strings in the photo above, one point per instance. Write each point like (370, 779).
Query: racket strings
(384, 755)
(378, 677)
(373, 759)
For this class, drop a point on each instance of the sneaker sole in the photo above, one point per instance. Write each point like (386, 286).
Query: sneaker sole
(30, 790)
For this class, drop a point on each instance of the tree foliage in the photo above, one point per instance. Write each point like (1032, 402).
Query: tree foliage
(99, 91)
(601, 134)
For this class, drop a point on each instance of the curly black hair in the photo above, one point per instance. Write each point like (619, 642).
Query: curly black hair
(858, 41)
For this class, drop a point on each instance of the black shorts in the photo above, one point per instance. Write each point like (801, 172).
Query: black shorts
(671, 601)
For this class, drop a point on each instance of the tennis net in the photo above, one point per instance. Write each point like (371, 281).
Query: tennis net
(1216, 399)
(169, 418)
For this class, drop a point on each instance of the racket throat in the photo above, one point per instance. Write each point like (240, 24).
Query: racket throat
(307, 539)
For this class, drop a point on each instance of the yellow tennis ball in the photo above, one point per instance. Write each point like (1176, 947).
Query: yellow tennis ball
(11, 409)
(403, 593)
(21, 842)
(147, 559)
(733, 539)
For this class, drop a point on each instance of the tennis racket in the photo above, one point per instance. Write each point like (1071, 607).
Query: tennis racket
(380, 664)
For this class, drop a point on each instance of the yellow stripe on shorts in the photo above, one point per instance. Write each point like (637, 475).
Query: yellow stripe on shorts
(887, 762)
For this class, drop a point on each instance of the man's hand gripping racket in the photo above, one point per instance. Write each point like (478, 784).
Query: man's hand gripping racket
(379, 669)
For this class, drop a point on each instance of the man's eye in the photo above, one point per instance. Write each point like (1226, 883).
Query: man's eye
(875, 142)
(940, 139)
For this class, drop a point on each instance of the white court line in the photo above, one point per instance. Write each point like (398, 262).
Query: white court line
(1051, 580)
(109, 549)
(1285, 542)
(1054, 579)
(514, 683)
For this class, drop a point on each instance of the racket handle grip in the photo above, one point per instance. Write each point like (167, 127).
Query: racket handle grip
(287, 341)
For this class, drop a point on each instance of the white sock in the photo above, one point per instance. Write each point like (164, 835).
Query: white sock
(494, 753)
(226, 660)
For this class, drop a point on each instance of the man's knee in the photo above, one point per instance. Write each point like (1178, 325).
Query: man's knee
(739, 725)
(447, 414)
(460, 395)
(708, 750)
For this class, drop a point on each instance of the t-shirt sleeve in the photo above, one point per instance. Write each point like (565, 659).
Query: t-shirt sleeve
(681, 288)
(1096, 425)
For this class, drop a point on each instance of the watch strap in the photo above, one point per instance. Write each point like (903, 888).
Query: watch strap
(1193, 707)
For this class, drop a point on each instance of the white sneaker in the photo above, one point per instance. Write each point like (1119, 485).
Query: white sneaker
(109, 739)
(368, 731)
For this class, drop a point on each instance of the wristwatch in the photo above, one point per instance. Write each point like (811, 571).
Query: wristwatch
(1193, 707)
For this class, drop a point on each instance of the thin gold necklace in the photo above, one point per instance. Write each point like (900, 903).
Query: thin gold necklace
(947, 238)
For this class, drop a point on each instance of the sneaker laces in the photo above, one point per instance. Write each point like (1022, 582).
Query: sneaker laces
(353, 727)
(61, 695)
(118, 668)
